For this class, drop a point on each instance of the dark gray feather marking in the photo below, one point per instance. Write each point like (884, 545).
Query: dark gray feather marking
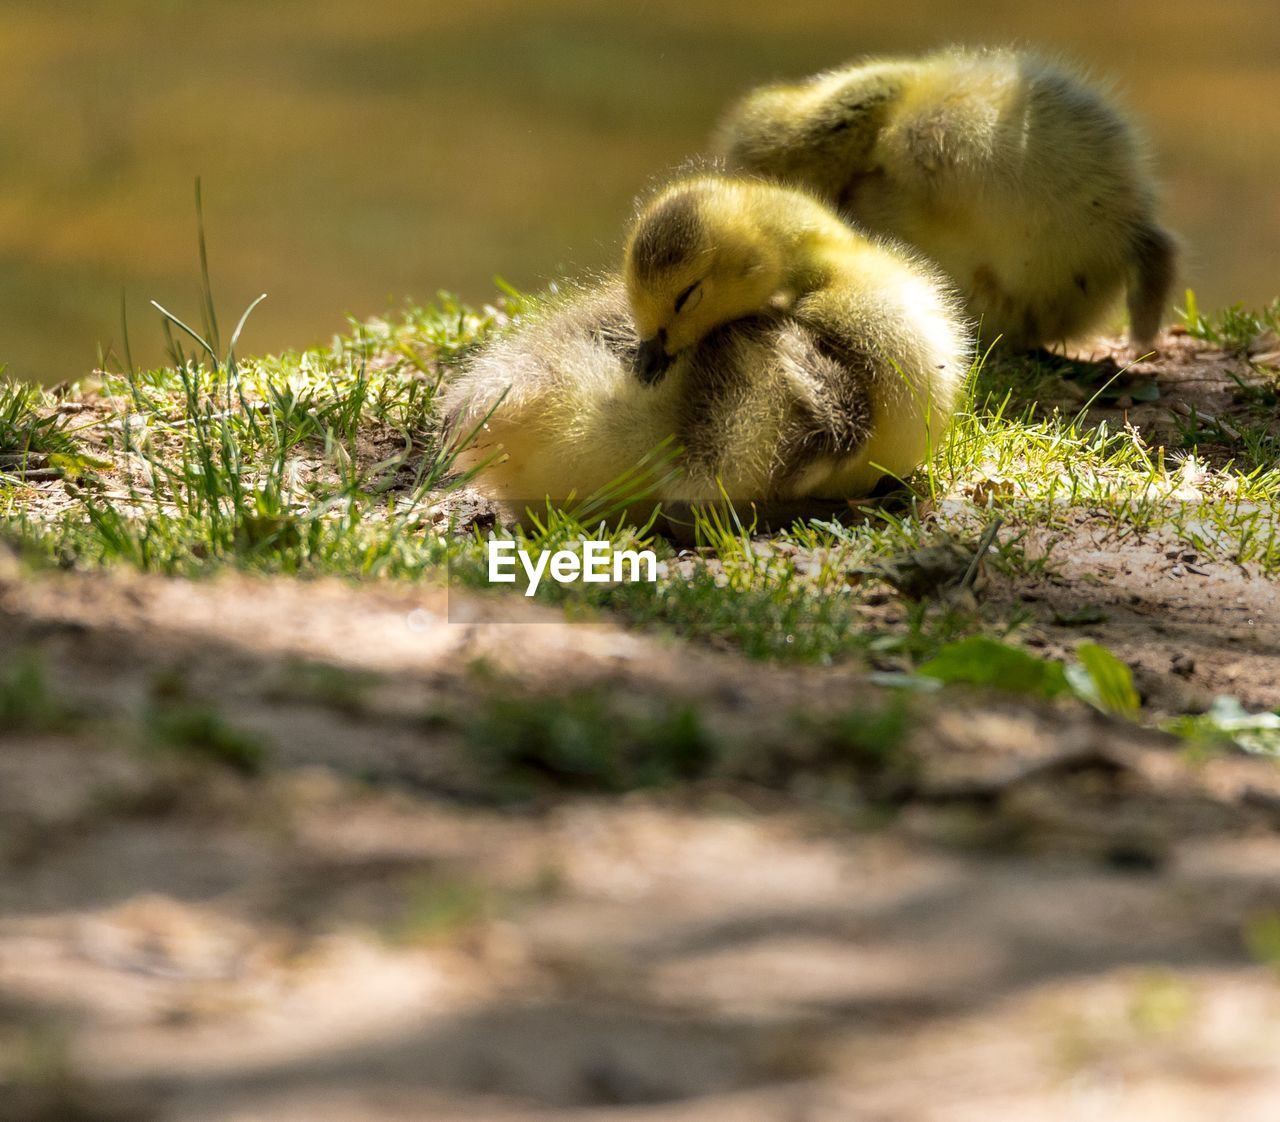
(715, 375)
(842, 422)
(668, 236)
(837, 423)
(857, 107)
(616, 333)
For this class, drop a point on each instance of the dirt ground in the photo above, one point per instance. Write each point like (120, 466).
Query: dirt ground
(1056, 923)
(1190, 627)
(1057, 916)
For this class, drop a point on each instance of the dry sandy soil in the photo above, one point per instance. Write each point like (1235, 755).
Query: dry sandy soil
(1053, 916)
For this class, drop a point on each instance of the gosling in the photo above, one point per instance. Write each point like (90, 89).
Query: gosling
(1023, 183)
(782, 354)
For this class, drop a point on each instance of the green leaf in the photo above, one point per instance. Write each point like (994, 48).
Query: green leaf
(988, 662)
(1104, 681)
(75, 464)
(1228, 720)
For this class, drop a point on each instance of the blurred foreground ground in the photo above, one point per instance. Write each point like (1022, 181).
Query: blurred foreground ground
(1052, 916)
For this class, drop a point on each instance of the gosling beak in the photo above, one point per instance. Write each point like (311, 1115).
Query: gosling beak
(652, 359)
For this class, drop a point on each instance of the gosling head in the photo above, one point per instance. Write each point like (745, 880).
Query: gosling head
(698, 258)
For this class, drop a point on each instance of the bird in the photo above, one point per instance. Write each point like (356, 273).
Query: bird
(773, 351)
(1017, 177)
(549, 411)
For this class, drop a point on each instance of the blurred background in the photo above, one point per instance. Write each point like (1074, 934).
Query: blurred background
(354, 155)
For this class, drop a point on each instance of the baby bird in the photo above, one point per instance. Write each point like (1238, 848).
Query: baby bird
(784, 355)
(1021, 182)
(552, 411)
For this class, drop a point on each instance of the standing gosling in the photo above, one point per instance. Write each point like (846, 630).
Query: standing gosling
(784, 355)
(1021, 182)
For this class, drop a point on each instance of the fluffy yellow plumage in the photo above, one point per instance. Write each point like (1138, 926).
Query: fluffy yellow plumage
(785, 356)
(1013, 175)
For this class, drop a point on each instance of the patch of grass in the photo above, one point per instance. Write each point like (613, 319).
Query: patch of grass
(1234, 328)
(592, 739)
(1039, 472)
(310, 462)
(27, 423)
(35, 441)
(864, 746)
(200, 729)
(269, 466)
(27, 704)
(1033, 377)
(582, 740)
(329, 461)
(770, 617)
(338, 687)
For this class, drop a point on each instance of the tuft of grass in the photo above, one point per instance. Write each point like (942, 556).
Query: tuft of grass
(200, 729)
(338, 687)
(582, 741)
(258, 465)
(765, 616)
(27, 704)
(591, 739)
(261, 464)
(27, 425)
(866, 746)
(35, 442)
(1234, 328)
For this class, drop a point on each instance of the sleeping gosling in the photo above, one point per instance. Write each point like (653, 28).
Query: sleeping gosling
(781, 354)
(1024, 184)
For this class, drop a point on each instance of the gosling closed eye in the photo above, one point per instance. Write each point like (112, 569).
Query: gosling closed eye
(688, 299)
(855, 380)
